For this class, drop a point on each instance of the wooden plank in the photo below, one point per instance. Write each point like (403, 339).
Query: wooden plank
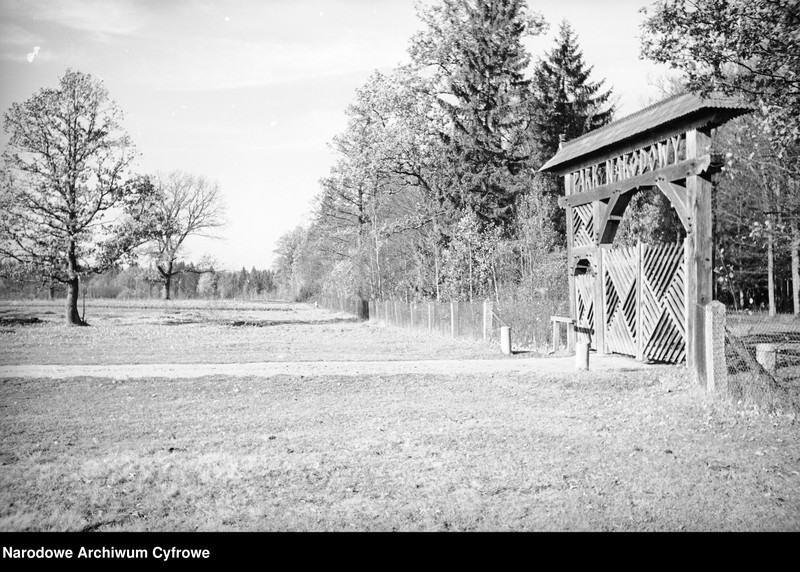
(639, 337)
(682, 170)
(599, 312)
(568, 187)
(700, 260)
(677, 196)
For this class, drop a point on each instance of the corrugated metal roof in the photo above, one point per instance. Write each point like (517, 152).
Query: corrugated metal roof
(638, 124)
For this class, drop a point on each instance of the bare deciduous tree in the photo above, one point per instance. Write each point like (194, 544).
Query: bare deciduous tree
(186, 205)
(65, 207)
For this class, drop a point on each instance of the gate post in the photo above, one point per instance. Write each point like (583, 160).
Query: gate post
(700, 252)
(573, 310)
(716, 370)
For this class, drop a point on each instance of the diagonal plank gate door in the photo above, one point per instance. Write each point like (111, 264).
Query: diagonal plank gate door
(643, 301)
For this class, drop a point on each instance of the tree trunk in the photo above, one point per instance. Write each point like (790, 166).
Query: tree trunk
(796, 267)
(167, 286)
(73, 287)
(73, 317)
(771, 270)
(166, 275)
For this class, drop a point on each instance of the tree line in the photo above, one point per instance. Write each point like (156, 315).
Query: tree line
(435, 191)
(133, 281)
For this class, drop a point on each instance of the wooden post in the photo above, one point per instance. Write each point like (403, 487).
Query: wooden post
(582, 355)
(767, 356)
(430, 315)
(487, 319)
(573, 311)
(454, 319)
(699, 272)
(505, 340)
(688, 322)
(716, 365)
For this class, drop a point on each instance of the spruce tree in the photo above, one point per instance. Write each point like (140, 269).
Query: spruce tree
(475, 49)
(566, 102)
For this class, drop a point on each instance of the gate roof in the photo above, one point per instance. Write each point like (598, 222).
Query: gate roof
(668, 117)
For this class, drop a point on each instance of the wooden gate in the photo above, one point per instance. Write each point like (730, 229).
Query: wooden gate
(643, 301)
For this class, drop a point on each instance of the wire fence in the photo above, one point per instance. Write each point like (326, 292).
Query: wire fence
(762, 355)
(528, 321)
(751, 357)
(457, 319)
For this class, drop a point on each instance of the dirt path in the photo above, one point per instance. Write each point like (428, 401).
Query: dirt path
(266, 369)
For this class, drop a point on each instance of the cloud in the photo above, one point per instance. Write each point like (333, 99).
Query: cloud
(32, 55)
(16, 35)
(99, 17)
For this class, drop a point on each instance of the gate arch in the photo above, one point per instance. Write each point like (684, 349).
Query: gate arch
(644, 299)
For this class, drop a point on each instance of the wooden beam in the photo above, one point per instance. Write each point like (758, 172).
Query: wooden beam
(679, 199)
(675, 172)
(573, 313)
(703, 120)
(612, 215)
(699, 259)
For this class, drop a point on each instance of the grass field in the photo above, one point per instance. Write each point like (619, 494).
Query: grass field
(622, 451)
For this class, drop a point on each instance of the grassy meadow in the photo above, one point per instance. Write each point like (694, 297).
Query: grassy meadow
(597, 451)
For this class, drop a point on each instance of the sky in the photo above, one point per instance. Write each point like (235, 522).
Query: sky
(249, 93)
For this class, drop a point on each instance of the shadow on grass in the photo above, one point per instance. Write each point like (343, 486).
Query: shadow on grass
(268, 323)
(19, 320)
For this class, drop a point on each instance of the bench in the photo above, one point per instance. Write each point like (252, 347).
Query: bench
(569, 323)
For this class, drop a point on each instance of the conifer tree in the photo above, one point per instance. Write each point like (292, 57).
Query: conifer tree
(475, 49)
(566, 102)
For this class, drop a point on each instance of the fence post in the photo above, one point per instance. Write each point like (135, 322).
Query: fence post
(487, 319)
(454, 319)
(716, 369)
(505, 340)
(430, 315)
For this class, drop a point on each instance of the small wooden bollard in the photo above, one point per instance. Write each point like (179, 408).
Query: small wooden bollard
(505, 340)
(582, 355)
(766, 355)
